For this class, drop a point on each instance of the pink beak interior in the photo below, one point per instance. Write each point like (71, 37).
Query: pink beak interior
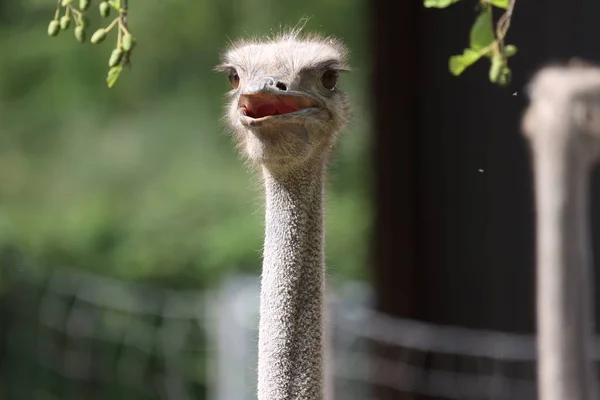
(264, 105)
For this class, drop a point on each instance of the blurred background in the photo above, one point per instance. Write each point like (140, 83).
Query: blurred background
(130, 231)
(141, 185)
(142, 182)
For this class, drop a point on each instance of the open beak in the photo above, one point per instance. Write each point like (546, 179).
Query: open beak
(262, 105)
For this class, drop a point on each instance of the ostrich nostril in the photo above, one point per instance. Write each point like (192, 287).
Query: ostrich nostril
(281, 86)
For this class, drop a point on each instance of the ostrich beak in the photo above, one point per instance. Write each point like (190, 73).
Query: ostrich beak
(262, 105)
(266, 98)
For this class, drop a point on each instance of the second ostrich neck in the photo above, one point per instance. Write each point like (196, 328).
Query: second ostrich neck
(291, 309)
(565, 299)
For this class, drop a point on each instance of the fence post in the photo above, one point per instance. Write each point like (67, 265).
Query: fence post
(235, 314)
(562, 124)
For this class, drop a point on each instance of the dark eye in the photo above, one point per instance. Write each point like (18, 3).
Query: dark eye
(329, 79)
(234, 78)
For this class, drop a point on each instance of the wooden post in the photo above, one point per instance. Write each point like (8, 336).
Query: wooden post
(394, 28)
(562, 125)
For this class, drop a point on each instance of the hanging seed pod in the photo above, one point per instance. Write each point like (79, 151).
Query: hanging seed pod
(53, 28)
(104, 9)
(509, 50)
(127, 42)
(80, 33)
(98, 36)
(496, 67)
(84, 20)
(504, 77)
(115, 57)
(65, 21)
(84, 5)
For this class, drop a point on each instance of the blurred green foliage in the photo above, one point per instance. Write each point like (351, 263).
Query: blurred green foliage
(141, 182)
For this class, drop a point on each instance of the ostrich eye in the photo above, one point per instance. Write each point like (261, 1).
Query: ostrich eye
(234, 78)
(329, 79)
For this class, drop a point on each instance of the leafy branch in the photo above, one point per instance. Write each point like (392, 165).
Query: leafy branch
(121, 54)
(484, 40)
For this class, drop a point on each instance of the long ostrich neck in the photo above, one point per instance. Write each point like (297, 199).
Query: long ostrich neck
(564, 303)
(291, 304)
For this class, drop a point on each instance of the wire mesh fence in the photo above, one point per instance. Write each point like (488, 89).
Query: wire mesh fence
(75, 336)
(374, 350)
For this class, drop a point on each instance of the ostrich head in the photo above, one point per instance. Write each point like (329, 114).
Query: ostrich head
(285, 105)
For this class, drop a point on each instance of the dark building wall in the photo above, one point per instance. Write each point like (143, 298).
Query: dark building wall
(454, 245)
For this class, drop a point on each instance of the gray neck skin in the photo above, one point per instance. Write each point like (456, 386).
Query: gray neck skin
(291, 304)
(564, 292)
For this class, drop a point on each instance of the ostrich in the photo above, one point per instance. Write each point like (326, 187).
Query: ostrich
(563, 127)
(286, 111)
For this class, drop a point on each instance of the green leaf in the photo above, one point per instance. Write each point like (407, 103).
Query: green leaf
(113, 75)
(510, 50)
(482, 31)
(439, 3)
(116, 4)
(499, 3)
(457, 64)
(65, 2)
